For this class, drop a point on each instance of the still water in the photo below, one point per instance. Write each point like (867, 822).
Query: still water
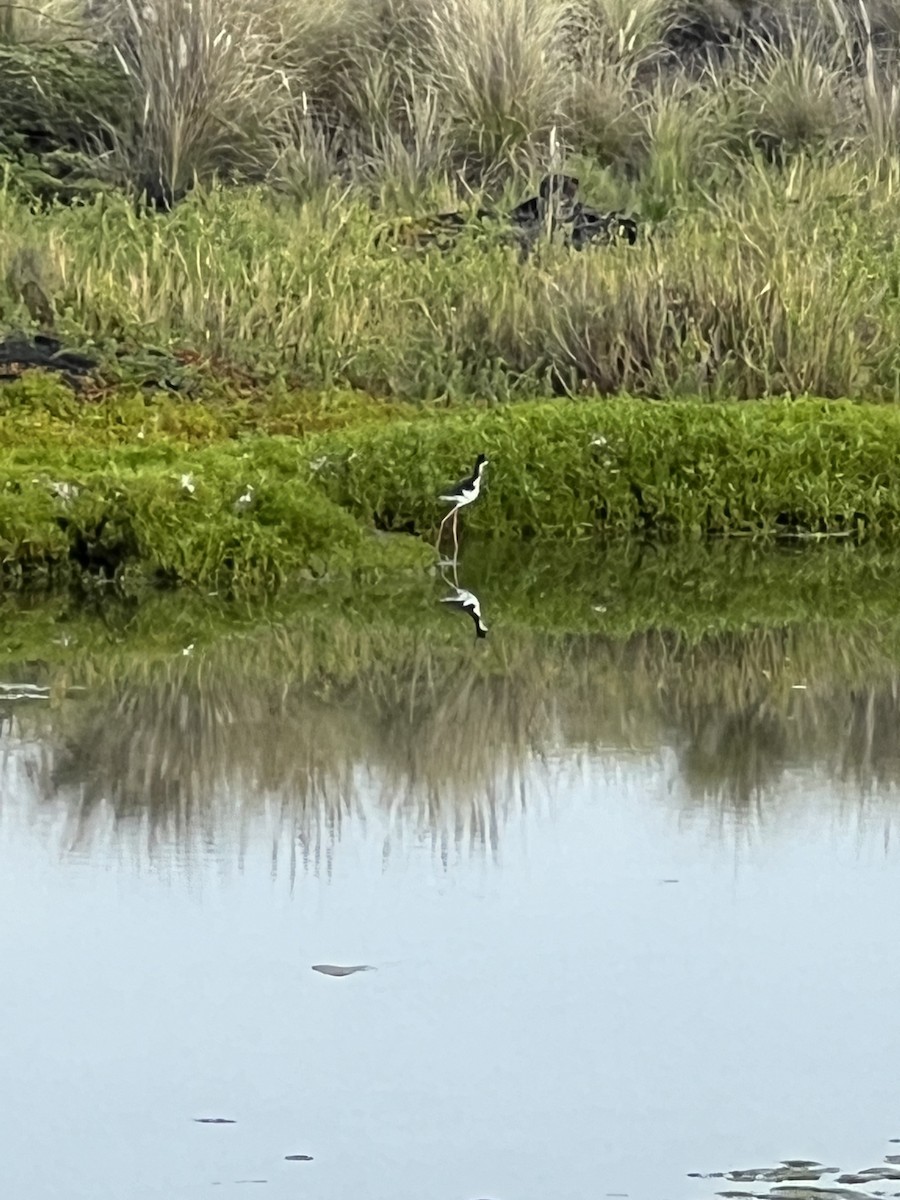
(630, 902)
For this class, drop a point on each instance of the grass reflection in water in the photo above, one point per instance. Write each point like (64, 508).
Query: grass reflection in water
(315, 709)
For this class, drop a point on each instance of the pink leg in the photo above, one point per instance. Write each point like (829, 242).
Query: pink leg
(455, 534)
(443, 523)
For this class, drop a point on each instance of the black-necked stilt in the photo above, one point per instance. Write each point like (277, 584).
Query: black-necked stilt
(468, 603)
(461, 494)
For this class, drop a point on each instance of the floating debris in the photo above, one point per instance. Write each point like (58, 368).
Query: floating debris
(24, 691)
(790, 1192)
(793, 1177)
(764, 1174)
(339, 972)
(870, 1174)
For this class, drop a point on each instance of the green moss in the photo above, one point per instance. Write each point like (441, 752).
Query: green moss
(159, 513)
(152, 486)
(677, 469)
(127, 403)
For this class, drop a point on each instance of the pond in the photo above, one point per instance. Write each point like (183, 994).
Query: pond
(623, 875)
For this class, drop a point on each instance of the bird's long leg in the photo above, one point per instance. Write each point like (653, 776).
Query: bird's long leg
(443, 523)
(455, 534)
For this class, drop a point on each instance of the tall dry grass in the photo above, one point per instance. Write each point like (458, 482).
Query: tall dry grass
(431, 89)
(760, 148)
(786, 282)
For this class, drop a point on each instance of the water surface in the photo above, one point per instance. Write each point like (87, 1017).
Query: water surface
(627, 888)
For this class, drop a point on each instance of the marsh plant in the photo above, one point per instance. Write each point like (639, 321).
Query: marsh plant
(758, 142)
(244, 85)
(141, 490)
(783, 285)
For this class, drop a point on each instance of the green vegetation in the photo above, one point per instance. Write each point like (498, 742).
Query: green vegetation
(179, 491)
(226, 516)
(786, 283)
(760, 144)
(232, 242)
(675, 469)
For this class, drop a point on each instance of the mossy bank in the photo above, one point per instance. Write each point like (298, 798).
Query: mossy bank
(184, 492)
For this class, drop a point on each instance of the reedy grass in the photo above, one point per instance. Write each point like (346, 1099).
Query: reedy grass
(472, 85)
(784, 284)
(211, 101)
(413, 88)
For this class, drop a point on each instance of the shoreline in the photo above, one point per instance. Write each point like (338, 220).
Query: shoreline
(156, 489)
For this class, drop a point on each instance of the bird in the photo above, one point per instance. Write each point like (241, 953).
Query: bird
(461, 494)
(468, 603)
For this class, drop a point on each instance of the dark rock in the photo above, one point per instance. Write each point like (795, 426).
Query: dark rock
(554, 209)
(554, 203)
(339, 972)
(20, 352)
(590, 225)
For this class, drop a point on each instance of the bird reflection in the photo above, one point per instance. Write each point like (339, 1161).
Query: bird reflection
(468, 603)
(464, 601)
